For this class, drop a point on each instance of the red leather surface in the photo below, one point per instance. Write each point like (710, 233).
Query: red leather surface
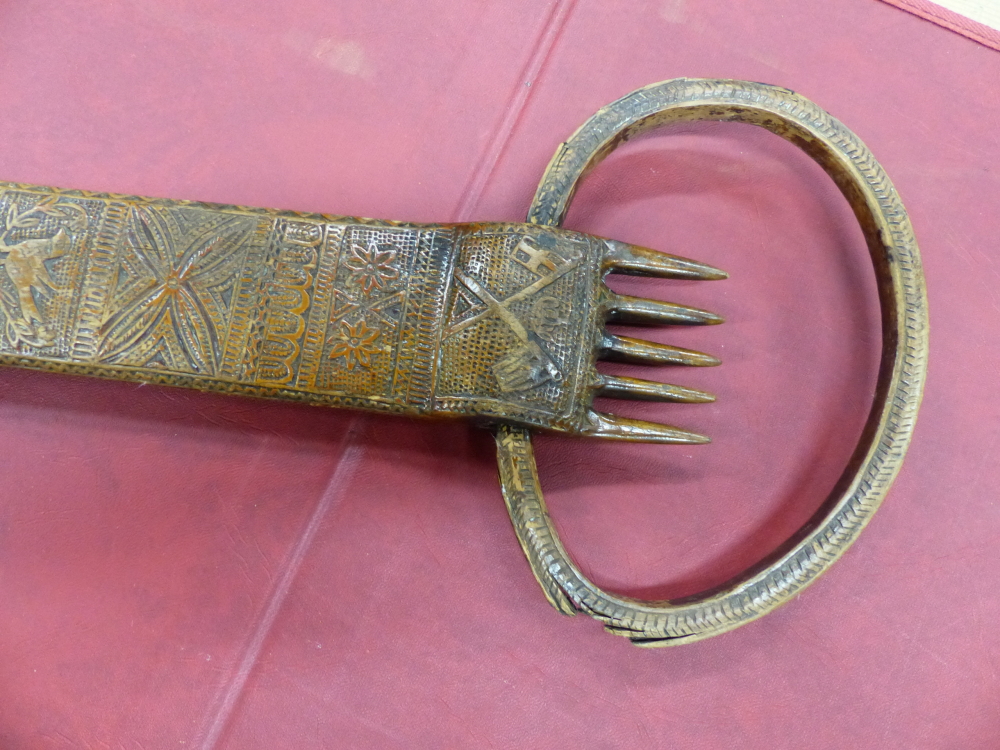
(180, 570)
(960, 24)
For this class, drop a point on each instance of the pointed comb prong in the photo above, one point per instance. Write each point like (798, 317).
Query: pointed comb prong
(641, 261)
(640, 311)
(638, 352)
(612, 427)
(636, 389)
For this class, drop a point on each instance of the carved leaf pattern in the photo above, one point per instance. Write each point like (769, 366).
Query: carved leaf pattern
(175, 318)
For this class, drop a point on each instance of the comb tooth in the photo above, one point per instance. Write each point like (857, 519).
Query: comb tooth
(636, 430)
(641, 311)
(641, 261)
(649, 390)
(639, 352)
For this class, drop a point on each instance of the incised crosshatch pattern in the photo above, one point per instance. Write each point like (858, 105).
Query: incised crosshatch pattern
(415, 318)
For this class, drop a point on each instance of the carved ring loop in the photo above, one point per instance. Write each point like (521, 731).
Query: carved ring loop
(887, 433)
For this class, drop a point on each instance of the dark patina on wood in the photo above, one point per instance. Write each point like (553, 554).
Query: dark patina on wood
(498, 322)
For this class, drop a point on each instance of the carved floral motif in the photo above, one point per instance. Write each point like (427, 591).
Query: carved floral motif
(372, 267)
(173, 311)
(355, 343)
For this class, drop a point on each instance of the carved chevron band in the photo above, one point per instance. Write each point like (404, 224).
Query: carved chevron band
(887, 434)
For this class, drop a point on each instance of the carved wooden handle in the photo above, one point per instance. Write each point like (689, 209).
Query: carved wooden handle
(490, 321)
(879, 453)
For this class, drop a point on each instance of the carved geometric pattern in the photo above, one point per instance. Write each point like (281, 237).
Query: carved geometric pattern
(352, 312)
(172, 295)
(511, 335)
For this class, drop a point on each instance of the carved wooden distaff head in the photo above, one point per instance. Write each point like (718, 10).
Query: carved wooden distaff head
(498, 322)
(524, 327)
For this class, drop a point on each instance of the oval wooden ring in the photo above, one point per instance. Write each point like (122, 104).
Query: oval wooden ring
(886, 435)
